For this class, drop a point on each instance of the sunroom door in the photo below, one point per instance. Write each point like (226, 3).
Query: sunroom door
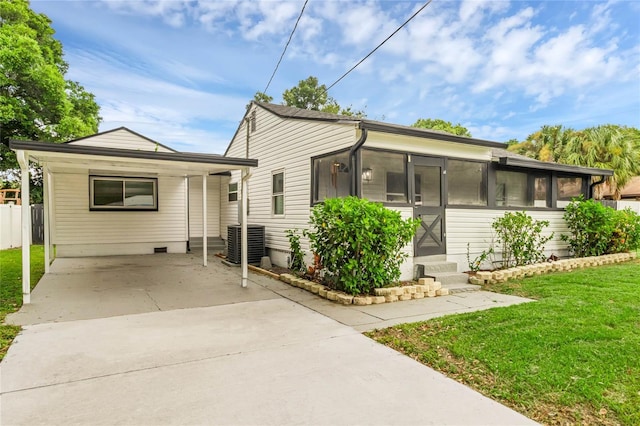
(428, 205)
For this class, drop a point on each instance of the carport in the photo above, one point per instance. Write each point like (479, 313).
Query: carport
(68, 158)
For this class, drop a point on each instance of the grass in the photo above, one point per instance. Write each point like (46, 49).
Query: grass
(11, 288)
(571, 357)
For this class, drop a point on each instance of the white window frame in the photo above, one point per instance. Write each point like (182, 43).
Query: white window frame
(124, 180)
(279, 194)
(229, 192)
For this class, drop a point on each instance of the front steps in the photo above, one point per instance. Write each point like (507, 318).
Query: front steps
(447, 273)
(214, 244)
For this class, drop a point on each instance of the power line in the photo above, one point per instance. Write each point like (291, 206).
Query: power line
(377, 47)
(285, 47)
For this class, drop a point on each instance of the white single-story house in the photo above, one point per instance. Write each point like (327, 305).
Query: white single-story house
(456, 185)
(120, 193)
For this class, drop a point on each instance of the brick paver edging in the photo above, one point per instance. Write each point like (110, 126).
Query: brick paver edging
(500, 276)
(426, 287)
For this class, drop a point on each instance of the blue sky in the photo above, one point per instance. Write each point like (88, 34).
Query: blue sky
(182, 71)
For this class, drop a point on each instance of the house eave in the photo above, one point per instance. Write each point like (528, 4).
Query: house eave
(47, 147)
(377, 126)
(556, 167)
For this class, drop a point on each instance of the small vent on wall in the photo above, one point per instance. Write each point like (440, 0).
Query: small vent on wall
(160, 250)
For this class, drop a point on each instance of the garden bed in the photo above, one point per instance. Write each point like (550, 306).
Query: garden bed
(426, 287)
(502, 275)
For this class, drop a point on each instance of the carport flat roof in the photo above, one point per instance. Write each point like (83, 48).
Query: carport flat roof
(100, 157)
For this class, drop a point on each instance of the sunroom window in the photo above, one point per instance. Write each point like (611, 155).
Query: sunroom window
(512, 189)
(119, 193)
(568, 189)
(384, 177)
(467, 183)
(331, 176)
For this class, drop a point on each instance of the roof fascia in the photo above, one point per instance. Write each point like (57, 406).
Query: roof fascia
(126, 153)
(565, 168)
(244, 117)
(377, 126)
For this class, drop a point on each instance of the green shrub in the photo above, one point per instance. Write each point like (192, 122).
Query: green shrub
(520, 238)
(591, 226)
(358, 243)
(597, 229)
(626, 232)
(296, 262)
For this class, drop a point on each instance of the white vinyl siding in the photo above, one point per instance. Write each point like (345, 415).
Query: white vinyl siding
(473, 226)
(75, 224)
(278, 144)
(213, 206)
(121, 139)
(430, 147)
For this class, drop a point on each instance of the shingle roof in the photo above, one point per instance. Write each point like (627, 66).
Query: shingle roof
(284, 111)
(511, 158)
(292, 112)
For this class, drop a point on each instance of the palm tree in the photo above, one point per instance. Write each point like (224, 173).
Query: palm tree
(610, 147)
(547, 144)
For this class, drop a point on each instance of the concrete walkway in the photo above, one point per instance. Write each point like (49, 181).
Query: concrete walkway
(366, 318)
(267, 361)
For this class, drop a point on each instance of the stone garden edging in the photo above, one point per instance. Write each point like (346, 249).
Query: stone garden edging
(503, 275)
(426, 287)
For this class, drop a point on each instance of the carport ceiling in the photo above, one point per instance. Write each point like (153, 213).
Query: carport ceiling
(65, 157)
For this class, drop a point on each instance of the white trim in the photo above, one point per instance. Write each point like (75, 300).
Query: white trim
(124, 180)
(23, 160)
(46, 194)
(204, 220)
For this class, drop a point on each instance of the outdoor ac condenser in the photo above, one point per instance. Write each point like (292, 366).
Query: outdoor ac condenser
(255, 243)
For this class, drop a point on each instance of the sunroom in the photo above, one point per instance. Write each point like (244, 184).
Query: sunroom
(436, 188)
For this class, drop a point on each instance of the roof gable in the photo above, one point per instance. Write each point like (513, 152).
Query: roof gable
(121, 138)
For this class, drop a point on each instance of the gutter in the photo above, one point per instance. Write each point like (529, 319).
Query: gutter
(594, 184)
(352, 162)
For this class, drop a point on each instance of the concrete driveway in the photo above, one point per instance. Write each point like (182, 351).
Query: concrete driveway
(267, 361)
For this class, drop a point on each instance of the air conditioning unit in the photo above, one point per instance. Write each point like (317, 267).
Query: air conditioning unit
(255, 243)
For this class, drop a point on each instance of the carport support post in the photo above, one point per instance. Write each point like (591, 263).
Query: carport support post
(204, 220)
(243, 228)
(46, 201)
(23, 160)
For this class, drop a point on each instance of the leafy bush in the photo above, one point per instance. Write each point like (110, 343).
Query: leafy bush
(520, 238)
(597, 229)
(626, 232)
(296, 263)
(358, 243)
(476, 263)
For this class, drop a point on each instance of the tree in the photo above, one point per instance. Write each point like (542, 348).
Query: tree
(36, 102)
(309, 95)
(442, 125)
(607, 146)
(547, 144)
(262, 97)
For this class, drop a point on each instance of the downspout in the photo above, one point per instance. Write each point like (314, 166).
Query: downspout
(352, 161)
(594, 184)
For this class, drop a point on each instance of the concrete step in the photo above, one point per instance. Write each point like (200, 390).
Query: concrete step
(213, 243)
(449, 277)
(436, 267)
(461, 288)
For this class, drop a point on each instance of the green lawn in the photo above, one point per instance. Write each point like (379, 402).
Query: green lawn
(571, 357)
(11, 288)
